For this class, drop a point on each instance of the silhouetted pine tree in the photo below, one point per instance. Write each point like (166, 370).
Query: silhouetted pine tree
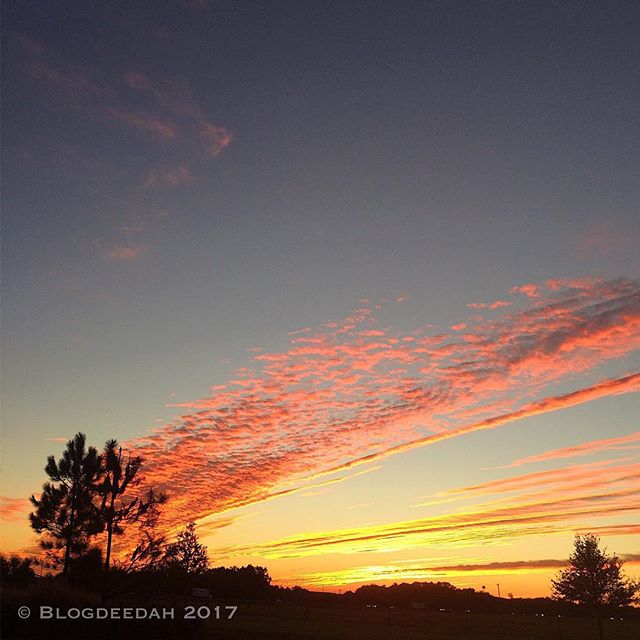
(65, 511)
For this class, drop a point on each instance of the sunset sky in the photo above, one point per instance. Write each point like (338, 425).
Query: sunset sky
(360, 281)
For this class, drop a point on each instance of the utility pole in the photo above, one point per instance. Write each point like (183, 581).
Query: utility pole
(498, 585)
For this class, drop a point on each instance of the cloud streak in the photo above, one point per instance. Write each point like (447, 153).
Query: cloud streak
(474, 526)
(13, 509)
(623, 443)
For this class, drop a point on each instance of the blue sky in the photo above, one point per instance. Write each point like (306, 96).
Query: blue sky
(186, 181)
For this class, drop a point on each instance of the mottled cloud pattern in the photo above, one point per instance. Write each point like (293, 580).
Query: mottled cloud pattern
(355, 391)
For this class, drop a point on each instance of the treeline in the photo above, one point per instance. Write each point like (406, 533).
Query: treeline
(437, 596)
(241, 583)
(87, 573)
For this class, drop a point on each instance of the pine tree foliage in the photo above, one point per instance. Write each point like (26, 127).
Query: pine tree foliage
(65, 512)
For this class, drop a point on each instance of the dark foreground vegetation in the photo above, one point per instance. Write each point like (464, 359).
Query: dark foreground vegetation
(407, 611)
(166, 589)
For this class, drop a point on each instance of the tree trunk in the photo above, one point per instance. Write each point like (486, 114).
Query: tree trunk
(72, 521)
(110, 520)
(108, 554)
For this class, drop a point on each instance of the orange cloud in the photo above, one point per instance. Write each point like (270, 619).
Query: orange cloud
(355, 392)
(421, 570)
(489, 305)
(458, 529)
(13, 509)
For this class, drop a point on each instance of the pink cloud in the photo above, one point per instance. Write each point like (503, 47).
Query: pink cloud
(336, 393)
(571, 478)
(529, 290)
(622, 443)
(169, 112)
(489, 305)
(216, 138)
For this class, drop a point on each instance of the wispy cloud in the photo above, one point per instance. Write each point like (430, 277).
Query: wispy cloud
(564, 480)
(168, 112)
(622, 443)
(216, 138)
(498, 304)
(429, 569)
(160, 128)
(137, 233)
(13, 509)
(420, 570)
(471, 527)
(356, 391)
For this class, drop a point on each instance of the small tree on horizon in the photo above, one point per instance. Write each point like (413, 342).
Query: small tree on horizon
(187, 552)
(594, 579)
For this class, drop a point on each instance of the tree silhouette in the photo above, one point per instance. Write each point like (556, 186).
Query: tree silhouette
(187, 552)
(16, 571)
(65, 509)
(116, 478)
(119, 475)
(592, 578)
(150, 551)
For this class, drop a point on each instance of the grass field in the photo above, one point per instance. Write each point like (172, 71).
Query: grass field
(286, 621)
(290, 622)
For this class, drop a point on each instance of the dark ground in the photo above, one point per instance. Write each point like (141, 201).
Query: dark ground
(283, 621)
